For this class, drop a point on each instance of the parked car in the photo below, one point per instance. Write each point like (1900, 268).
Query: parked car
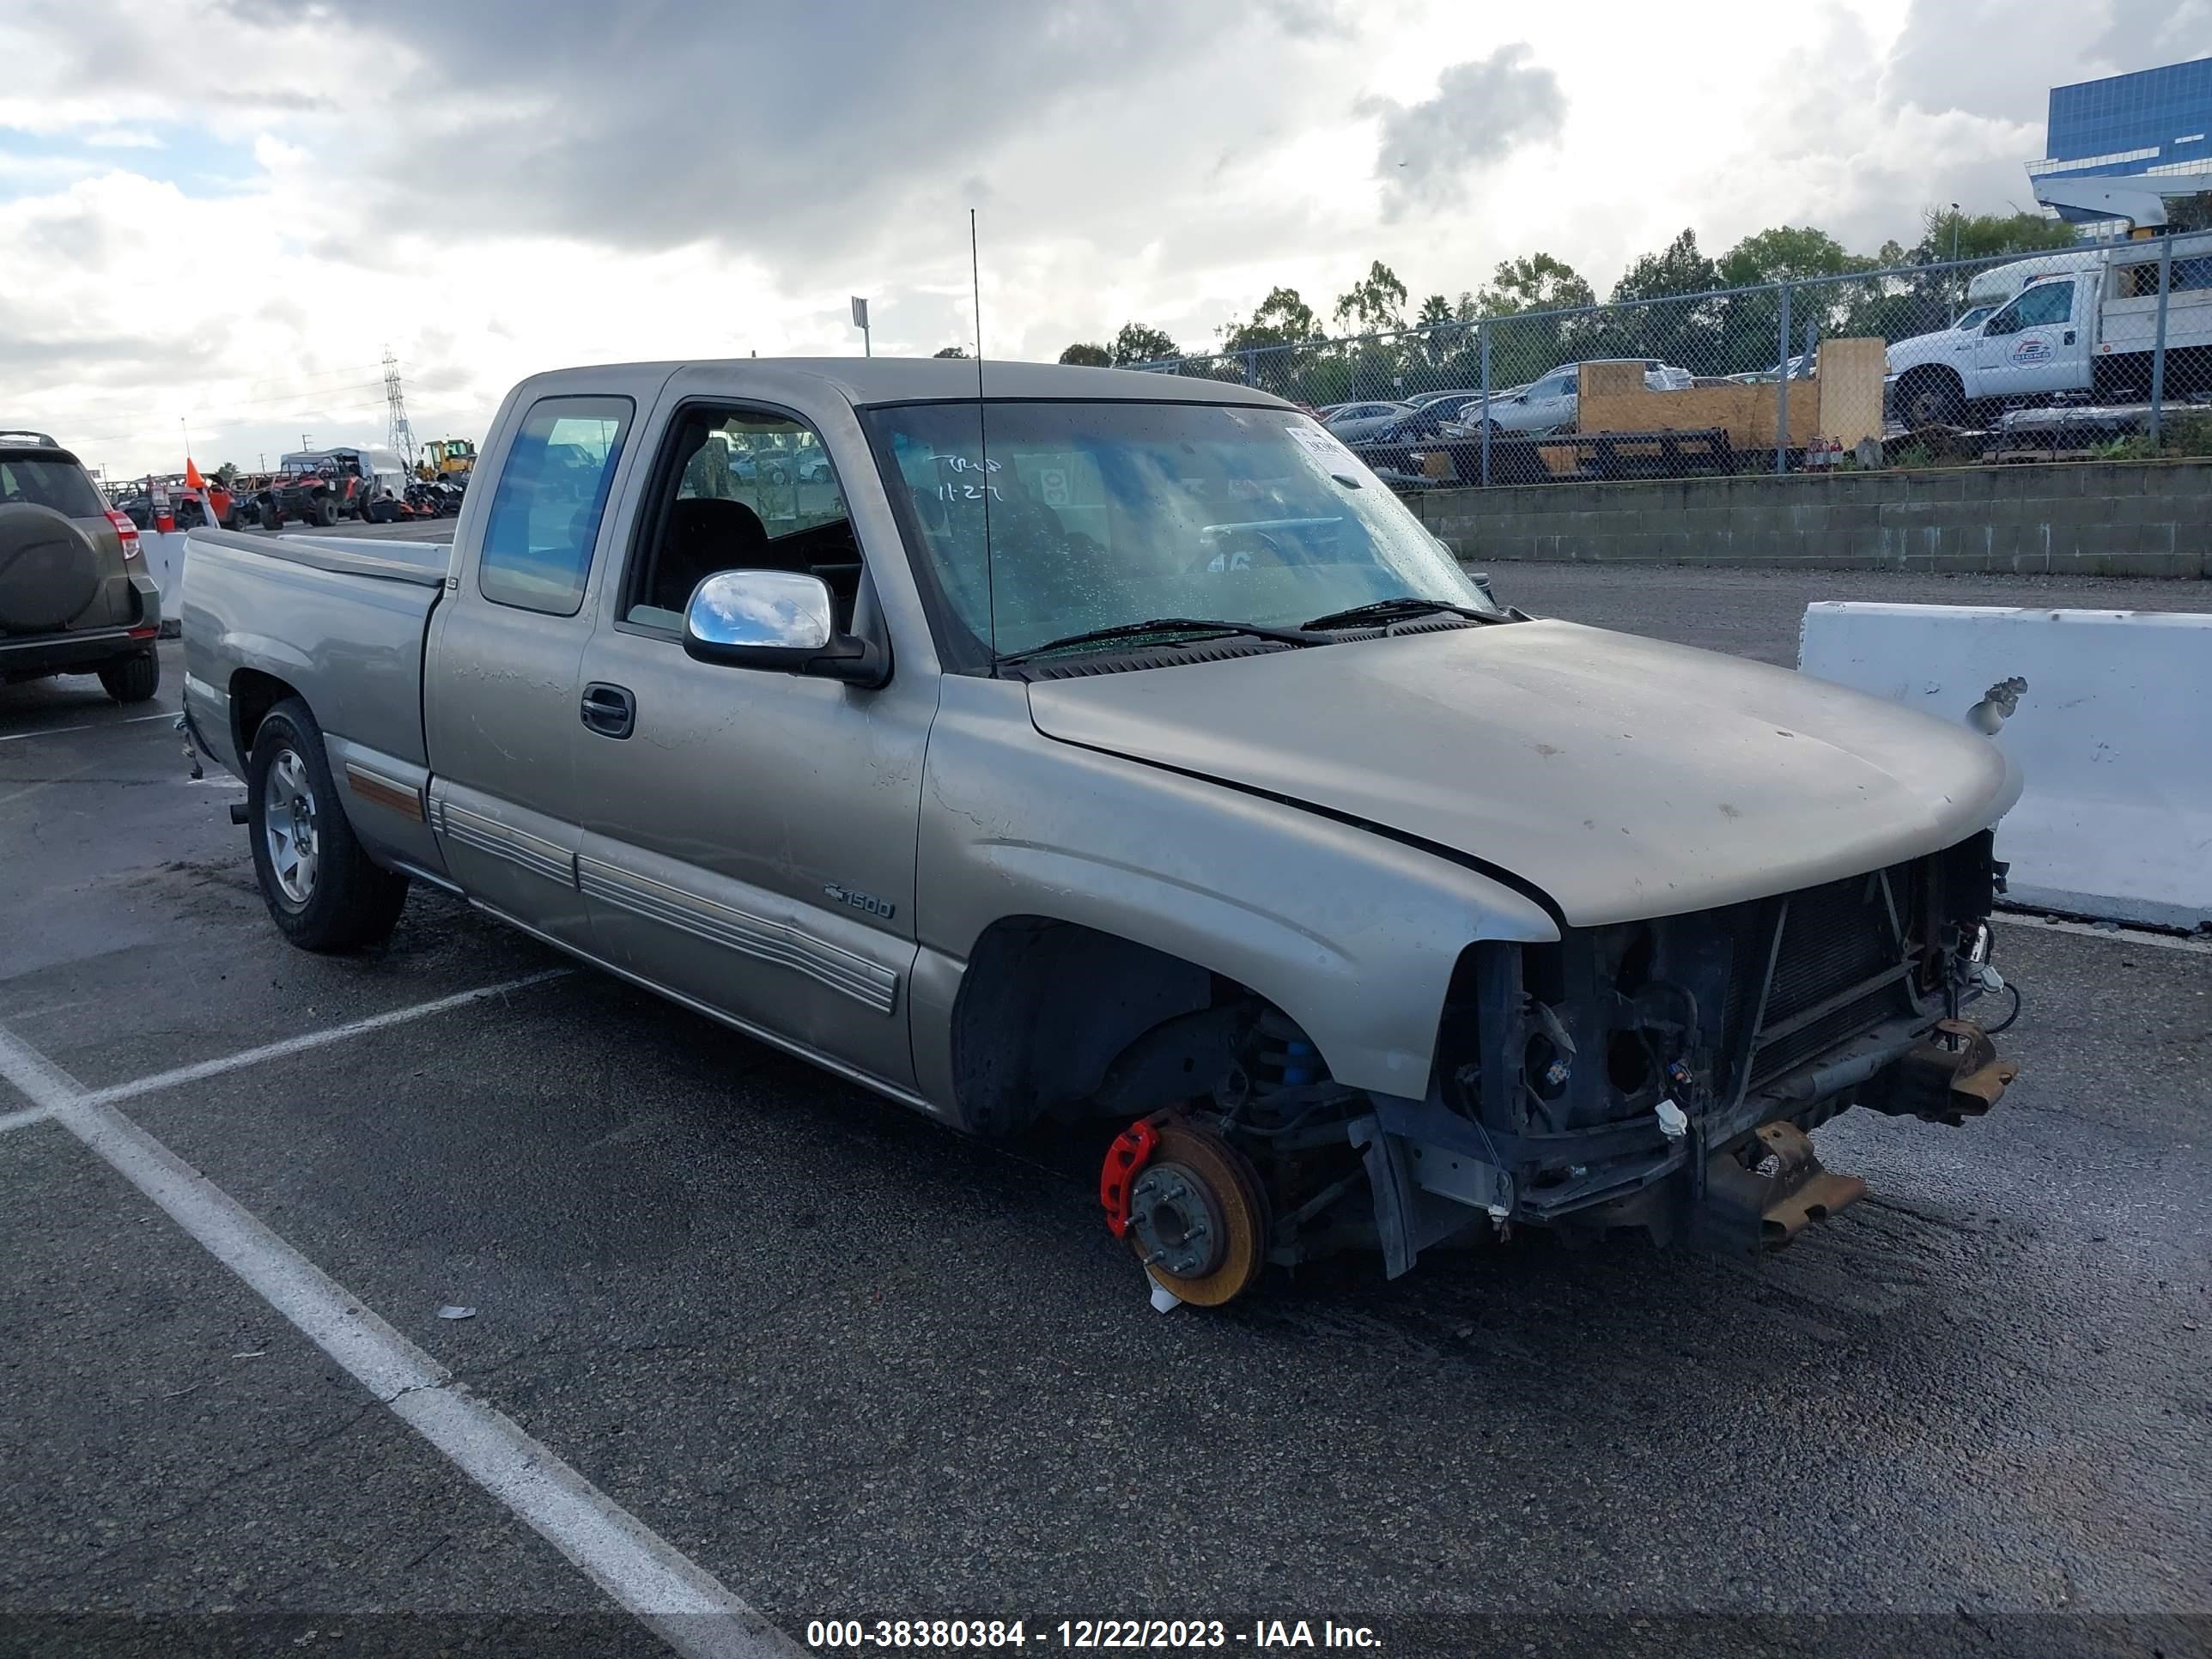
(1428, 416)
(1551, 404)
(1379, 914)
(75, 597)
(1357, 423)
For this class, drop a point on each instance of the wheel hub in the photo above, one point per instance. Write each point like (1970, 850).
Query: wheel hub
(1196, 1215)
(288, 815)
(1176, 1221)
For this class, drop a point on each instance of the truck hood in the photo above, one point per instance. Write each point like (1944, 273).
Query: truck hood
(1924, 349)
(1623, 777)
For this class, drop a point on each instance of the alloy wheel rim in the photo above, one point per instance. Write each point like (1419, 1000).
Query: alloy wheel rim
(288, 827)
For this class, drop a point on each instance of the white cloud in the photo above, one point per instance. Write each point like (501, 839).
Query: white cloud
(123, 138)
(697, 180)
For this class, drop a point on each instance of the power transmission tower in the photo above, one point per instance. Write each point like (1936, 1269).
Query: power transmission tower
(402, 434)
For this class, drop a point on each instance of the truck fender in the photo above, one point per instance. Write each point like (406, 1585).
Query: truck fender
(1352, 934)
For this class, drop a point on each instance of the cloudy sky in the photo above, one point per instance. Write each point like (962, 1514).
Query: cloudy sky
(223, 212)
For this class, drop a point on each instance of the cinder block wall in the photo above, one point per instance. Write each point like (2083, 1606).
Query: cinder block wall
(2084, 518)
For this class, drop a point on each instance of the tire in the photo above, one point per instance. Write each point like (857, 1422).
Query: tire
(50, 571)
(132, 679)
(324, 892)
(1932, 399)
(325, 514)
(271, 519)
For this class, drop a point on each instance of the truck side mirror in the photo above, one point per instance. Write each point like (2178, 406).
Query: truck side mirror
(777, 619)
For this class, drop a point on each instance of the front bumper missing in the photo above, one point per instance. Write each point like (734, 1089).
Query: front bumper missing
(1428, 1168)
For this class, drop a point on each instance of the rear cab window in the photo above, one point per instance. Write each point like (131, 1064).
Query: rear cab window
(551, 497)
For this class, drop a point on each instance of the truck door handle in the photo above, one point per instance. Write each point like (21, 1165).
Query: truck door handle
(2069, 336)
(610, 710)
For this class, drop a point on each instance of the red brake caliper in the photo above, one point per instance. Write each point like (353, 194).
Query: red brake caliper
(1131, 1151)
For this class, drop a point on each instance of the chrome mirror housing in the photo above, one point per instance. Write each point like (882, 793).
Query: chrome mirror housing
(759, 610)
(776, 619)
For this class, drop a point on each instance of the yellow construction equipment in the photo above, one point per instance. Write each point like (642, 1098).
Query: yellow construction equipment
(447, 458)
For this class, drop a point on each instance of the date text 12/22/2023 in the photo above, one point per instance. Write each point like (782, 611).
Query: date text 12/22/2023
(1086, 1635)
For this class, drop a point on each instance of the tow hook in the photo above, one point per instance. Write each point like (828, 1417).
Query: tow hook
(1953, 1076)
(1764, 1206)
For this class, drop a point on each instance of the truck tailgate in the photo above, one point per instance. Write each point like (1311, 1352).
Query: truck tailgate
(342, 623)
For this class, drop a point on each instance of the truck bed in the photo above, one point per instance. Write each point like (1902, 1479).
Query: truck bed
(341, 623)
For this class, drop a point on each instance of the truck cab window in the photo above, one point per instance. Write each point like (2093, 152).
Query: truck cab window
(2039, 307)
(739, 489)
(551, 495)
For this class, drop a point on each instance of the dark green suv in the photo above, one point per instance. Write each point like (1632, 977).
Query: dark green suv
(75, 597)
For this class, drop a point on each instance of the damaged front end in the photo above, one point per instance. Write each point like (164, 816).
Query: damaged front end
(1662, 1075)
(1666, 1074)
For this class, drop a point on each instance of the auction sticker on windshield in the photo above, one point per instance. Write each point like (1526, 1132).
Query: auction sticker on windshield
(1318, 443)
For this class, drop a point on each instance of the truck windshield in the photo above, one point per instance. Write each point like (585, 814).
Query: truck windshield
(1106, 513)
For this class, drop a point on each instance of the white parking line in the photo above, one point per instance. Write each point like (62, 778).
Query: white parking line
(147, 1086)
(23, 1119)
(89, 726)
(647, 1576)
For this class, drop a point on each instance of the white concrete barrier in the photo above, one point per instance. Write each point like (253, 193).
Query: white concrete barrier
(164, 554)
(2114, 733)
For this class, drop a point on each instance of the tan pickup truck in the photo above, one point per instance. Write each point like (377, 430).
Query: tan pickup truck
(1116, 747)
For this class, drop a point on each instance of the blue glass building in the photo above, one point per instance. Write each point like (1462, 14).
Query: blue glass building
(2155, 121)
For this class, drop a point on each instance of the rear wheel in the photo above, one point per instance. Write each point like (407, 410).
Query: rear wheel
(325, 514)
(323, 891)
(132, 679)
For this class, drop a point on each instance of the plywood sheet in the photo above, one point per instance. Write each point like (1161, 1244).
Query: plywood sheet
(1843, 402)
(1850, 378)
(1613, 399)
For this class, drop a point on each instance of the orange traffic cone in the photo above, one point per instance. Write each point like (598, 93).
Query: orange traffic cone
(193, 479)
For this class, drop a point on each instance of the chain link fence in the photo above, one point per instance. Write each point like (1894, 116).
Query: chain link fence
(2104, 350)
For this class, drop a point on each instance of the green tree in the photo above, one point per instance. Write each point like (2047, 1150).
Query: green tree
(227, 474)
(1751, 324)
(1281, 348)
(2190, 212)
(1535, 282)
(1088, 355)
(1281, 318)
(1521, 350)
(1983, 235)
(951, 351)
(1659, 320)
(1141, 342)
(1376, 304)
(1787, 253)
(1446, 336)
(1678, 268)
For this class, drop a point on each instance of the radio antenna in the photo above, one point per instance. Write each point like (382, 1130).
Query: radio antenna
(983, 446)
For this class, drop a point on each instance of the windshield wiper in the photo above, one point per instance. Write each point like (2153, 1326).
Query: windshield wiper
(1390, 611)
(1160, 625)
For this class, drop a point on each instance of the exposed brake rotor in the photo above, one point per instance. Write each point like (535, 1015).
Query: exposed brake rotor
(1198, 1216)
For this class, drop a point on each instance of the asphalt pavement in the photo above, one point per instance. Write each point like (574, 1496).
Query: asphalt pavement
(851, 1366)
